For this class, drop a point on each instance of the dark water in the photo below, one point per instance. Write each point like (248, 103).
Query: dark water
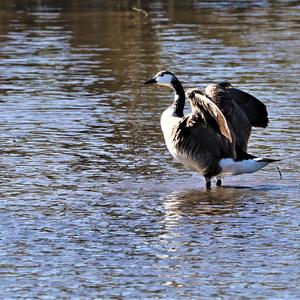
(92, 205)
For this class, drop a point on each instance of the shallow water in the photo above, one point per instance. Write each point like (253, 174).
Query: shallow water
(92, 205)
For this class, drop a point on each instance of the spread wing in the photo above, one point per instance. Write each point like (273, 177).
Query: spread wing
(254, 109)
(203, 107)
(234, 114)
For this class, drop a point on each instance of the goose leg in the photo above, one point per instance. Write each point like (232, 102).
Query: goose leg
(219, 181)
(208, 183)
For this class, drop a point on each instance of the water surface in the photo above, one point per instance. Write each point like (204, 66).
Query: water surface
(92, 205)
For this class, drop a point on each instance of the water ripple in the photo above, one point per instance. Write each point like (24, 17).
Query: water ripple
(92, 205)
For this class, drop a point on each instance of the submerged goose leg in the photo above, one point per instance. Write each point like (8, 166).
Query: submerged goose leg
(208, 182)
(219, 181)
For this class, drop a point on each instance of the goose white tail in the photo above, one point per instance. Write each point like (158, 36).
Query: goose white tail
(232, 167)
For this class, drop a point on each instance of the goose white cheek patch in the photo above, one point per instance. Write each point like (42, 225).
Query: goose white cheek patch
(164, 80)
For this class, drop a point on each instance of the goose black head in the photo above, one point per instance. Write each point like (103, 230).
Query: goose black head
(163, 78)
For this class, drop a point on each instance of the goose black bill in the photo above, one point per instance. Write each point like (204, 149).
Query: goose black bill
(152, 80)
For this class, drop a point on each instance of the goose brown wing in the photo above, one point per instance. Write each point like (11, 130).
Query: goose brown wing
(198, 139)
(234, 114)
(255, 110)
(204, 136)
(203, 107)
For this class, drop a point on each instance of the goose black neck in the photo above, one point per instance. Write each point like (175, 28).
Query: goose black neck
(179, 100)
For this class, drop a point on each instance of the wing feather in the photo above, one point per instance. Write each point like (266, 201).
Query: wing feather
(234, 114)
(204, 108)
(255, 110)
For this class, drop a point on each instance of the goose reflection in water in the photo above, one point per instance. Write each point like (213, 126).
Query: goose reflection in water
(200, 202)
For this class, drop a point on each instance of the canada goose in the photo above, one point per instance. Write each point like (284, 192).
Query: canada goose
(202, 140)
